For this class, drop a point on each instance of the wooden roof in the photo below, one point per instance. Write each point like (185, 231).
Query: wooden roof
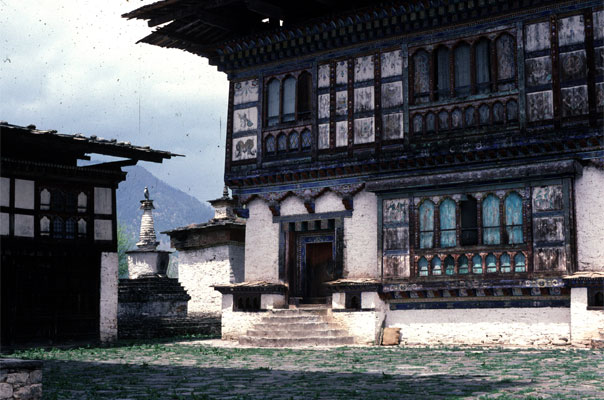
(232, 34)
(27, 142)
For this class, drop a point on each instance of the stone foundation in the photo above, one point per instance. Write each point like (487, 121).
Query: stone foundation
(20, 379)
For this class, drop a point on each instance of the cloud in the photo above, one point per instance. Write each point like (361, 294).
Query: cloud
(75, 66)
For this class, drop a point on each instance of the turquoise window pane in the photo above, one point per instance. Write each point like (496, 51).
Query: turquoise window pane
(490, 220)
(463, 264)
(423, 267)
(513, 218)
(426, 225)
(447, 223)
(519, 262)
(477, 264)
(436, 266)
(505, 261)
(449, 265)
(491, 262)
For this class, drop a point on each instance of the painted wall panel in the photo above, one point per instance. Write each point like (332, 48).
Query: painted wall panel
(246, 92)
(245, 119)
(244, 148)
(103, 229)
(24, 225)
(364, 130)
(323, 76)
(24, 194)
(4, 224)
(103, 200)
(4, 192)
(589, 195)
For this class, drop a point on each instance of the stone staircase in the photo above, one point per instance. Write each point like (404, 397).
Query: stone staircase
(149, 328)
(312, 326)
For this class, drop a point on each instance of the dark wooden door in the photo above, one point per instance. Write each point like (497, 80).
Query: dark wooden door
(319, 269)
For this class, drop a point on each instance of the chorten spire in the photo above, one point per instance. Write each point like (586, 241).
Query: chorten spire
(147, 237)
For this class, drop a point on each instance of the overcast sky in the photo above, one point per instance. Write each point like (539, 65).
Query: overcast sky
(74, 66)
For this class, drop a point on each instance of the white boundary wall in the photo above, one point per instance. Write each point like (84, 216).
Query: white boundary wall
(108, 304)
(589, 195)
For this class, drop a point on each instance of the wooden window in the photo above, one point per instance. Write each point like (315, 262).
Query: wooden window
(469, 218)
(82, 231)
(304, 95)
(70, 228)
(442, 76)
(44, 226)
(482, 55)
(270, 144)
(519, 262)
(449, 265)
(273, 102)
(436, 266)
(421, 77)
(423, 266)
(463, 263)
(58, 228)
(505, 261)
(477, 264)
(306, 140)
(505, 46)
(282, 142)
(44, 199)
(491, 263)
(447, 223)
(289, 99)
(511, 111)
(513, 218)
(462, 69)
(294, 141)
(490, 220)
(426, 225)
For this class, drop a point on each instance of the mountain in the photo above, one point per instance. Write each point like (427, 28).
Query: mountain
(173, 207)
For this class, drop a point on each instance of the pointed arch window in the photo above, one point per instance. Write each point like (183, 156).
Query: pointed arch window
(477, 264)
(490, 220)
(423, 266)
(505, 261)
(270, 144)
(273, 102)
(482, 66)
(306, 140)
(436, 266)
(289, 99)
(513, 218)
(282, 142)
(426, 225)
(442, 77)
(463, 263)
(449, 265)
(462, 70)
(294, 141)
(447, 223)
(491, 263)
(519, 262)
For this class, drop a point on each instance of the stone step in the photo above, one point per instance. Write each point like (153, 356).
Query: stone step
(292, 318)
(298, 311)
(296, 342)
(296, 333)
(295, 325)
(597, 343)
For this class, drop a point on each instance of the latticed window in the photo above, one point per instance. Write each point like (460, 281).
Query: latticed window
(289, 99)
(294, 141)
(70, 228)
(426, 225)
(306, 139)
(282, 142)
(490, 220)
(58, 228)
(270, 144)
(513, 218)
(447, 223)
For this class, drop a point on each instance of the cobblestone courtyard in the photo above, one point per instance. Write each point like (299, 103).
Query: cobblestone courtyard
(209, 370)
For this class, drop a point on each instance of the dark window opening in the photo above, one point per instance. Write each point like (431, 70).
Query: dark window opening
(595, 297)
(304, 95)
(483, 66)
(353, 301)
(272, 115)
(462, 70)
(469, 221)
(441, 74)
(246, 302)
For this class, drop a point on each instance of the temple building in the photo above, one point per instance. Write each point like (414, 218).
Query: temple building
(58, 234)
(430, 166)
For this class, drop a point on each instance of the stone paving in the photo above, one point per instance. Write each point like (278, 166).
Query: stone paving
(215, 370)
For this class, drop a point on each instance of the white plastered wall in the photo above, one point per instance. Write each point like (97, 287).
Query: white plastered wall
(199, 269)
(236, 323)
(515, 326)
(589, 195)
(360, 238)
(261, 244)
(108, 306)
(364, 326)
(585, 324)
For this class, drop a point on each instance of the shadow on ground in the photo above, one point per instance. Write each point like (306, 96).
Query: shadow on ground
(93, 380)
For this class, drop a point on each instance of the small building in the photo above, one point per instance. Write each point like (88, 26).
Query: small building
(430, 166)
(58, 234)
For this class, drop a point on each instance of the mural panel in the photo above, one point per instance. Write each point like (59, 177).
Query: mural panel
(571, 30)
(323, 136)
(574, 65)
(342, 72)
(599, 55)
(549, 229)
(395, 211)
(363, 99)
(341, 133)
(574, 101)
(392, 63)
(323, 76)
(550, 259)
(393, 126)
(540, 106)
(245, 119)
(363, 68)
(342, 102)
(396, 238)
(244, 148)
(598, 24)
(363, 130)
(539, 71)
(547, 198)
(600, 96)
(246, 92)
(396, 266)
(537, 37)
(392, 94)
(324, 106)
